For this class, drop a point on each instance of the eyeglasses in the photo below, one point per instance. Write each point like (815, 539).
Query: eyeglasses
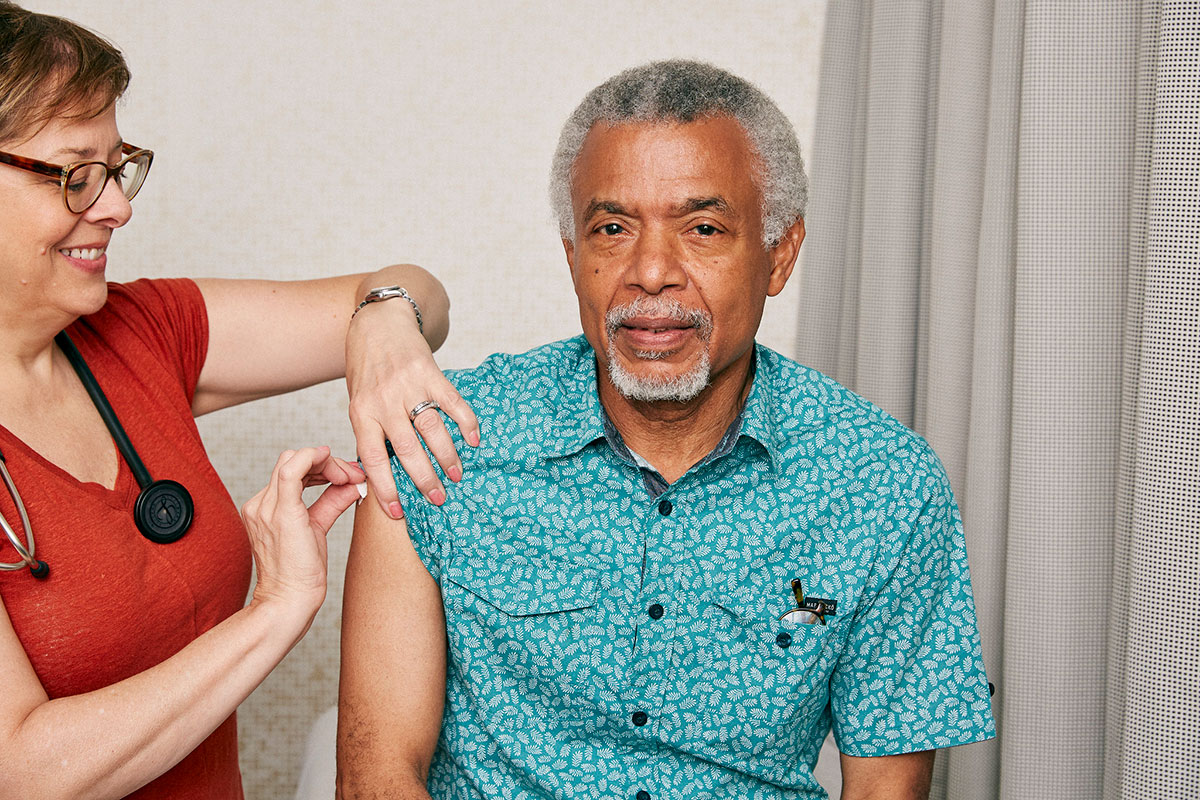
(809, 610)
(83, 182)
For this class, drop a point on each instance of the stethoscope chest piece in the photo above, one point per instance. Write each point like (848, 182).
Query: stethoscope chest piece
(163, 511)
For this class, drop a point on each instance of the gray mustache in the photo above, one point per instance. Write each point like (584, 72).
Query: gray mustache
(668, 308)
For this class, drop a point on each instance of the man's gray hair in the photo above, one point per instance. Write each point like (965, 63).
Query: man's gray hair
(685, 91)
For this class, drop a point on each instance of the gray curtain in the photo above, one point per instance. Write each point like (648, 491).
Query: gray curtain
(1004, 252)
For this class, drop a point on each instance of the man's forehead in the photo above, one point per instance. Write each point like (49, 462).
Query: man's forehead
(681, 167)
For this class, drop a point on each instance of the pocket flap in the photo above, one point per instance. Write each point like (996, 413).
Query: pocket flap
(745, 602)
(521, 586)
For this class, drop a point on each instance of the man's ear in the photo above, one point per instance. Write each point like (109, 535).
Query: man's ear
(783, 257)
(569, 249)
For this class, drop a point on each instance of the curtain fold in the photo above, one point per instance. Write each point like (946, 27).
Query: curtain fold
(1152, 714)
(1003, 254)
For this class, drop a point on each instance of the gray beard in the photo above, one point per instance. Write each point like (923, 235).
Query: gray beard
(679, 389)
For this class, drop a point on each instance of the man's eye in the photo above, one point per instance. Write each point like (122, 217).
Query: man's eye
(705, 230)
(611, 229)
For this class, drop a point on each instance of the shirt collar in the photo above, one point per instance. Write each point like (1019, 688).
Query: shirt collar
(579, 420)
(580, 417)
(758, 415)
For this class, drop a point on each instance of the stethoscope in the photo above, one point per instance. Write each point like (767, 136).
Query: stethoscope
(163, 510)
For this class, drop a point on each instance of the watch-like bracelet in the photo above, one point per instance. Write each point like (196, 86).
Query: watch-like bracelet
(387, 293)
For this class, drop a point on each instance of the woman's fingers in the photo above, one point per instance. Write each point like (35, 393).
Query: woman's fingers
(288, 537)
(294, 471)
(331, 504)
(334, 470)
(433, 431)
(267, 500)
(344, 479)
(372, 452)
(458, 410)
(412, 457)
(405, 438)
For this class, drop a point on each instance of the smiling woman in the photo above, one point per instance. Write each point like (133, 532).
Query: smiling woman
(114, 630)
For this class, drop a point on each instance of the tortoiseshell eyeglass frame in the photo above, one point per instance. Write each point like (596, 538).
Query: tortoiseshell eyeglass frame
(63, 173)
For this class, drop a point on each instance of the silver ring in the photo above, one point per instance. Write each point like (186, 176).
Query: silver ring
(424, 405)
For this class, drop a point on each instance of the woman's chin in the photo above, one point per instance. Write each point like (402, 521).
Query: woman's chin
(91, 300)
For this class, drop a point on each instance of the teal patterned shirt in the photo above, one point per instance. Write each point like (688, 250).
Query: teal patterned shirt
(607, 642)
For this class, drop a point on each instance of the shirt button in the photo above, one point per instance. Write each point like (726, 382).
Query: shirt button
(784, 639)
(655, 611)
(665, 507)
(642, 795)
(640, 718)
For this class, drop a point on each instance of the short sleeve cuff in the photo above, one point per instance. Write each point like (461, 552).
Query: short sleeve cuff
(421, 528)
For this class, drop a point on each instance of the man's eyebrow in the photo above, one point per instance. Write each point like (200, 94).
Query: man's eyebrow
(693, 204)
(605, 206)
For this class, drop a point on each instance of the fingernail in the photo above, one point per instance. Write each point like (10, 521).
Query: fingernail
(395, 510)
(455, 473)
(437, 497)
(473, 438)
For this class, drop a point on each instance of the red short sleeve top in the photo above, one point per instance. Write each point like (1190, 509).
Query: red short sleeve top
(114, 603)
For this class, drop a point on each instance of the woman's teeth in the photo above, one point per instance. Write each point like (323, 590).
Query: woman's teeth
(88, 255)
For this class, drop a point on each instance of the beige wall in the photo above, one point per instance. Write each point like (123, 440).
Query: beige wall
(297, 139)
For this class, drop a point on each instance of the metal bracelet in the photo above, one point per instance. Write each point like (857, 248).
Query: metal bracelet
(387, 293)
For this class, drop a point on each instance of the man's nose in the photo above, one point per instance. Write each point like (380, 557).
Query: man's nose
(657, 263)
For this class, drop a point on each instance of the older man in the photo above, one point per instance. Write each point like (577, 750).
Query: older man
(679, 558)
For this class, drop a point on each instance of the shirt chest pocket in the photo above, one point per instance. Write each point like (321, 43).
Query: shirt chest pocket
(520, 624)
(757, 676)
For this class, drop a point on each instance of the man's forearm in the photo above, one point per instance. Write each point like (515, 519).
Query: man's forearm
(358, 782)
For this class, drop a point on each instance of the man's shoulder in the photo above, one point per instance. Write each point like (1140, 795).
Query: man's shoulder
(806, 403)
(530, 398)
(505, 378)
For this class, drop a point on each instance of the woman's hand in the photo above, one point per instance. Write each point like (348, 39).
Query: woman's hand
(152, 719)
(288, 538)
(390, 371)
(302, 333)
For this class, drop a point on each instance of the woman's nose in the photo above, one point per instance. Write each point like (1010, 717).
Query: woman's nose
(112, 208)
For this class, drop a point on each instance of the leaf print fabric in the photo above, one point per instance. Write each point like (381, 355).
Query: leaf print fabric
(607, 642)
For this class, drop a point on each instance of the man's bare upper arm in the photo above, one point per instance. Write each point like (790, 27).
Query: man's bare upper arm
(899, 777)
(393, 663)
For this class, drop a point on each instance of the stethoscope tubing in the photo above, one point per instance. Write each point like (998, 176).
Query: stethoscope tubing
(26, 553)
(140, 473)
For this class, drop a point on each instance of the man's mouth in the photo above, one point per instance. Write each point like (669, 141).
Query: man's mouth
(656, 325)
(650, 319)
(656, 343)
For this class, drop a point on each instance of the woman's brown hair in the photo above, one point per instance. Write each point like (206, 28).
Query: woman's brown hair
(51, 67)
